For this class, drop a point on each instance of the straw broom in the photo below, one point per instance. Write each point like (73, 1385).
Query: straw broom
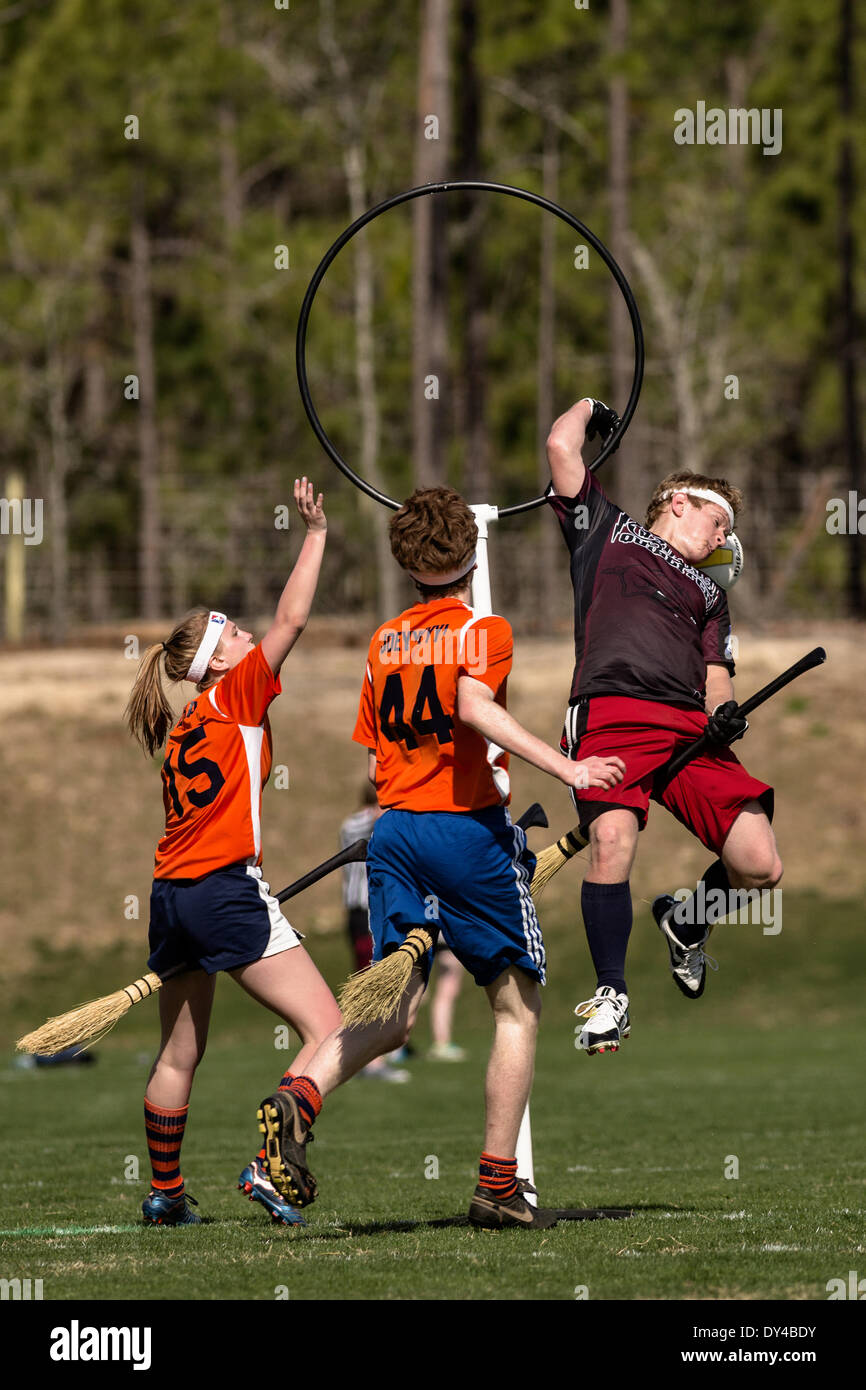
(374, 995)
(89, 1022)
(551, 860)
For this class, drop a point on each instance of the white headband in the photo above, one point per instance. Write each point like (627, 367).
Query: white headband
(707, 495)
(207, 646)
(434, 581)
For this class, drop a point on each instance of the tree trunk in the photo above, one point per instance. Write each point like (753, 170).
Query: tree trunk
(622, 355)
(473, 425)
(546, 377)
(355, 167)
(848, 321)
(14, 564)
(388, 601)
(58, 471)
(429, 261)
(149, 577)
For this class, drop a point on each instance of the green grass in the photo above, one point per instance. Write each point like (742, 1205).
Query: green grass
(766, 1068)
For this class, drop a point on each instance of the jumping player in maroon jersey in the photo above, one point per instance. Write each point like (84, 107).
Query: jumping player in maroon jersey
(653, 659)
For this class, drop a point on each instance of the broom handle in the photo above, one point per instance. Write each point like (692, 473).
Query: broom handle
(694, 750)
(353, 854)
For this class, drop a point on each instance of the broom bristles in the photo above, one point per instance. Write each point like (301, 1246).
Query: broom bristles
(89, 1021)
(374, 995)
(551, 860)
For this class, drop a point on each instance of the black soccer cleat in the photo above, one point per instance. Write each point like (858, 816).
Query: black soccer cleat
(603, 420)
(688, 963)
(492, 1213)
(286, 1137)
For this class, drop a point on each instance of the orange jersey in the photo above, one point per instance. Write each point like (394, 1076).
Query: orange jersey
(426, 760)
(217, 759)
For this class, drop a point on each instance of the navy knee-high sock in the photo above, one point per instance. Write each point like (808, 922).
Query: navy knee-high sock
(696, 913)
(607, 916)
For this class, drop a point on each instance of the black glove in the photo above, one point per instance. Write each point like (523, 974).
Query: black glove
(726, 724)
(603, 420)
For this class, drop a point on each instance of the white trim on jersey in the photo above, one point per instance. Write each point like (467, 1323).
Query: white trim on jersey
(213, 699)
(501, 779)
(253, 737)
(461, 636)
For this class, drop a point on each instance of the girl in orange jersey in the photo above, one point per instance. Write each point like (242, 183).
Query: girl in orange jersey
(210, 907)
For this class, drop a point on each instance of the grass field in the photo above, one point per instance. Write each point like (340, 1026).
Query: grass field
(766, 1070)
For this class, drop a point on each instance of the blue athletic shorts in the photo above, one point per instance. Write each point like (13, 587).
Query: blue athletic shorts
(464, 874)
(221, 921)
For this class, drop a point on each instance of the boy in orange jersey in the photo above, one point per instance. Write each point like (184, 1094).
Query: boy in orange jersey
(444, 854)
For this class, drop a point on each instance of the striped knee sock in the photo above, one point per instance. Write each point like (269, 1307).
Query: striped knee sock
(308, 1097)
(499, 1175)
(164, 1130)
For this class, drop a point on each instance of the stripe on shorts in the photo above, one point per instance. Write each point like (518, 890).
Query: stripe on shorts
(531, 924)
(283, 935)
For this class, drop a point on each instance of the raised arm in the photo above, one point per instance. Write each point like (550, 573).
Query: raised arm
(477, 707)
(296, 600)
(564, 449)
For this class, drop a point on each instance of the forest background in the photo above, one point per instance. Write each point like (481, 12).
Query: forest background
(173, 174)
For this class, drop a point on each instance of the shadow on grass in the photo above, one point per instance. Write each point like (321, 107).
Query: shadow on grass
(373, 1228)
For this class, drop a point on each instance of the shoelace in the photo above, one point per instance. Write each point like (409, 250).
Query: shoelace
(591, 1006)
(702, 957)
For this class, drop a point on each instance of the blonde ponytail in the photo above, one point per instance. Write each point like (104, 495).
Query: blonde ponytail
(149, 714)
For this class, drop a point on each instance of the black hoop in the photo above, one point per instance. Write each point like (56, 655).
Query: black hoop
(471, 185)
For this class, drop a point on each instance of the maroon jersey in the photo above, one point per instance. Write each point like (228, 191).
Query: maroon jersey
(646, 622)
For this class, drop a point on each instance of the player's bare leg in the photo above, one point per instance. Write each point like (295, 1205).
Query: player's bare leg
(607, 915)
(185, 1003)
(516, 1003)
(286, 1117)
(498, 1203)
(612, 844)
(290, 985)
(449, 982)
(347, 1050)
(750, 854)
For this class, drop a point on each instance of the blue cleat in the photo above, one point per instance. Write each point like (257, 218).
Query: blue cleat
(256, 1183)
(159, 1210)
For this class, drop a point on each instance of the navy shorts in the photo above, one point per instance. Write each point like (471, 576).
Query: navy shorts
(221, 921)
(464, 874)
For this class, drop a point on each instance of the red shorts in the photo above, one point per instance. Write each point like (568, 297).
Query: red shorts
(707, 796)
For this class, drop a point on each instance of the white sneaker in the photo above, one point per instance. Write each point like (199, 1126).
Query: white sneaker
(395, 1075)
(607, 1021)
(688, 963)
(446, 1052)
